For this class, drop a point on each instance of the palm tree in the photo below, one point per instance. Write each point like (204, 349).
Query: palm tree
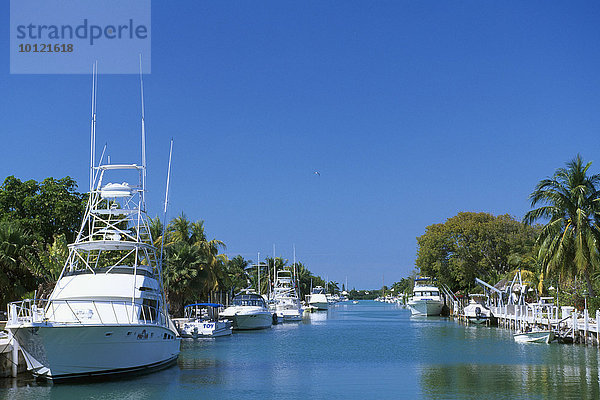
(194, 267)
(333, 287)
(237, 275)
(569, 240)
(156, 231)
(16, 253)
(181, 274)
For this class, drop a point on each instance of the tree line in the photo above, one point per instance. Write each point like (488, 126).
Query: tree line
(555, 245)
(39, 219)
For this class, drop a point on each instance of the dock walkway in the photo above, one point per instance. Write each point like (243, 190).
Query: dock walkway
(568, 324)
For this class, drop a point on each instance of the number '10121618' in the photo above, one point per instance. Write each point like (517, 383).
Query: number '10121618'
(45, 48)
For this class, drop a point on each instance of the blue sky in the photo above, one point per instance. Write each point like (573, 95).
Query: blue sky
(410, 110)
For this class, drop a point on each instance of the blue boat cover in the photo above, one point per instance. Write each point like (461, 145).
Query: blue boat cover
(205, 305)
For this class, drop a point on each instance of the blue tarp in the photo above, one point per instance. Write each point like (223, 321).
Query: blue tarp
(205, 305)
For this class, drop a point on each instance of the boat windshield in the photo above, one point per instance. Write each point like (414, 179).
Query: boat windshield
(249, 300)
(427, 293)
(119, 269)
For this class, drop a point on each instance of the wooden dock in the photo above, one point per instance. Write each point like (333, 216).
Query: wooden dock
(569, 325)
(8, 354)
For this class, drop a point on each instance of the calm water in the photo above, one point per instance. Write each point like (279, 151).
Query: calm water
(354, 351)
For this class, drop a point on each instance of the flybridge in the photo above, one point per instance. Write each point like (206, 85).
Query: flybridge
(92, 32)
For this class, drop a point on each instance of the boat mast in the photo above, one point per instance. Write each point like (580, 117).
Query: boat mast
(143, 138)
(274, 268)
(258, 268)
(296, 274)
(164, 225)
(93, 124)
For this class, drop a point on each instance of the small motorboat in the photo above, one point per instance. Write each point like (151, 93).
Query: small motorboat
(309, 309)
(534, 336)
(477, 312)
(318, 298)
(203, 321)
(249, 311)
(355, 302)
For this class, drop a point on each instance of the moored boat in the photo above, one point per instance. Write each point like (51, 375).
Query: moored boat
(476, 311)
(107, 312)
(426, 300)
(318, 299)
(248, 311)
(285, 302)
(534, 336)
(203, 321)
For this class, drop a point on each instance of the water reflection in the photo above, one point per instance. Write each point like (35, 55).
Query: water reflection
(555, 379)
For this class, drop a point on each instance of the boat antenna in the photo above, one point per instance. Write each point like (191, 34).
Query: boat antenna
(93, 124)
(258, 268)
(143, 135)
(162, 238)
(274, 269)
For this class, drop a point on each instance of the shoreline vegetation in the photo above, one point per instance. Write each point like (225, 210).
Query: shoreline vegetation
(555, 246)
(39, 219)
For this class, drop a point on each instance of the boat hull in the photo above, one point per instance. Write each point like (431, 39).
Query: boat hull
(251, 321)
(292, 317)
(206, 329)
(427, 308)
(320, 305)
(478, 320)
(68, 352)
(534, 337)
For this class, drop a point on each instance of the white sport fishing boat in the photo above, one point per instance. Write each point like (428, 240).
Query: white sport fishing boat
(203, 321)
(318, 298)
(248, 311)
(107, 313)
(426, 300)
(285, 302)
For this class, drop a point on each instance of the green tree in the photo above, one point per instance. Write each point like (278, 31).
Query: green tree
(570, 203)
(45, 209)
(333, 287)
(193, 266)
(471, 245)
(236, 269)
(16, 252)
(405, 285)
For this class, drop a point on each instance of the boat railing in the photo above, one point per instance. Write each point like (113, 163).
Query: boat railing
(85, 312)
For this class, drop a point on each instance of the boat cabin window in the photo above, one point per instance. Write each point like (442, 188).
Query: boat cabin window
(120, 269)
(149, 310)
(427, 293)
(248, 300)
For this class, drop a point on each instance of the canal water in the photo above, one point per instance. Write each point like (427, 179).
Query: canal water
(353, 351)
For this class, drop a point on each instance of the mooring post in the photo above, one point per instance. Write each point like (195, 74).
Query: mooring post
(575, 327)
(15, 355)
(585, 325)
(597, 328)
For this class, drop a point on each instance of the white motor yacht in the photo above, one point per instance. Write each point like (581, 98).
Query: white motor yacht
(318, 298)
(248, 311)
(284, 299)
(426, 300)
(476, 311)
(203, 321)
(107, 313)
